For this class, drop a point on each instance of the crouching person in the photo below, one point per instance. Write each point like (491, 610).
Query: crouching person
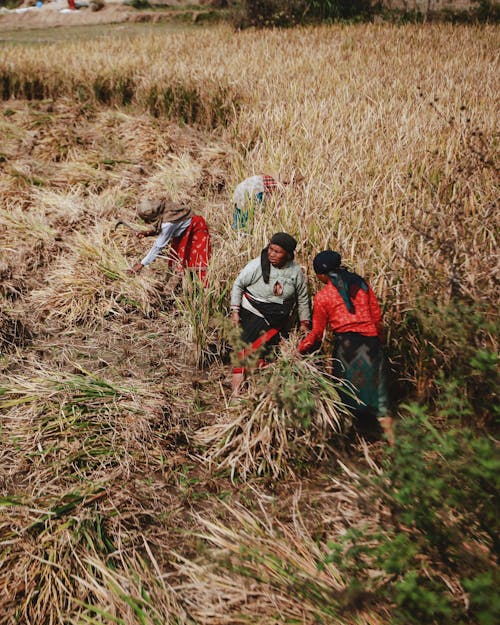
(187, 234)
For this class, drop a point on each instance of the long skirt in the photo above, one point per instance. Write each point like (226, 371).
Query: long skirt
(242, 215)
(359, 360)
(259, 337)
(192, 250)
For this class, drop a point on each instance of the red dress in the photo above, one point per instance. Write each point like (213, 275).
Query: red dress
(192, 250)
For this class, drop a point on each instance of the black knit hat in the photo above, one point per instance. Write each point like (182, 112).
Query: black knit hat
(326, 261)
(284, 240)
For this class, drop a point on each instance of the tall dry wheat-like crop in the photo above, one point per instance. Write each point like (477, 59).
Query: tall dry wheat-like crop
(109, 514)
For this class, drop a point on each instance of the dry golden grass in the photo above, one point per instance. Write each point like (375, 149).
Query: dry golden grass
(265, 568)
(109, 514)
(288, 416)
(91, 284)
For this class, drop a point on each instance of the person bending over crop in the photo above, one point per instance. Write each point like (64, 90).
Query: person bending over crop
(350, 308)
(251, 193)
(186, 233)
(263, 298)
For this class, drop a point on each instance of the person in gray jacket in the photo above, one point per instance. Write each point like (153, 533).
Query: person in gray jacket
(263, 299)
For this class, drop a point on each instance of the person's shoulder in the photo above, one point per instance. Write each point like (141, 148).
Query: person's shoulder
(325, 293)
(249, 180)
(252, 265)
(295, 267)
(196, 219)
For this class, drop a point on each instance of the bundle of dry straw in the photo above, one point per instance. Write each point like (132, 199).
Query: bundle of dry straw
(290, 414)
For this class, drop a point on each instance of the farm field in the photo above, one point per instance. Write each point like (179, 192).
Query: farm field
(38, 36)
(133, 490)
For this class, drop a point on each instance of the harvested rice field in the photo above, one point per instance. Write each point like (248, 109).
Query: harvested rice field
(133, 489)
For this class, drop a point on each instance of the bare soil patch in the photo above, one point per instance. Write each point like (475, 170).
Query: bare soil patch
(50, 16)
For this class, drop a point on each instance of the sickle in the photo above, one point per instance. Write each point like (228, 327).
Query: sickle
(123, 223)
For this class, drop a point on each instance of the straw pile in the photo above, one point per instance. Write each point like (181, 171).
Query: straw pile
(287, 418)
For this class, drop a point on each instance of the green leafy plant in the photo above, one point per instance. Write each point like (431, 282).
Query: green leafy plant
(272, 13)
(456, 339)
(440, 490)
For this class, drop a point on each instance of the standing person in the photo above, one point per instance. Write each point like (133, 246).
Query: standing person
(263, 298)
(186, 233)
(252, 192)
(350, 308)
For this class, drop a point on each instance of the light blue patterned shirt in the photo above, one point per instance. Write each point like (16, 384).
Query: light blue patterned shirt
(169, 231)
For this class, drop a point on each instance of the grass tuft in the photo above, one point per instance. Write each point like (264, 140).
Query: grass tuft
(283, 424)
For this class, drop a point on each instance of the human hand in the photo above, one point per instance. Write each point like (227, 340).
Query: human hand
(235, 318)
(140, 234)
(135, 269)
(305, 326)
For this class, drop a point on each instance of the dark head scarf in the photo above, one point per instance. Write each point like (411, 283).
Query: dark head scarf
(284, 240)
(328, 263)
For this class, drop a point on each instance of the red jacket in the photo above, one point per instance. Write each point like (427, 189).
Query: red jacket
(330, 310)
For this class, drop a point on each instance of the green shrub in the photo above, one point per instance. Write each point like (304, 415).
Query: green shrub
(10, 4)
(329, 10)
(458, 340)
(271, 13)
(486, 11)
(266, 13)
(441, 491)
(139, 4)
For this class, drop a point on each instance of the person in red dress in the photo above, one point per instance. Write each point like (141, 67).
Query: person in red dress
(348, 306)
(187, 234)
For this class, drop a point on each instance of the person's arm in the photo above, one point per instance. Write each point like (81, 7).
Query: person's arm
(303, 301)
(167, 232)
(140, 234)
(319, 321)
(246, 277)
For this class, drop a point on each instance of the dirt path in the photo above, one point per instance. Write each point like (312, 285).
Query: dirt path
(56, 14)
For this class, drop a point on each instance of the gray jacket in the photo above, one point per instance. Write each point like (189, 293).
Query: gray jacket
(290, 277)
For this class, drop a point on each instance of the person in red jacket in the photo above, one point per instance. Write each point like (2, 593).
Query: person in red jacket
(349, 307)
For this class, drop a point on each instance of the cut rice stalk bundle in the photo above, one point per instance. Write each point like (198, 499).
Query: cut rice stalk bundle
(176, 177)
(143, 139)
(92, 284)
(62, 210)
(133, 592)
(63, 561)
(286, 421)
(40, 562)
(257, 565)
(29, 245)
(82, 174)
(25, 225)
(72, 427)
